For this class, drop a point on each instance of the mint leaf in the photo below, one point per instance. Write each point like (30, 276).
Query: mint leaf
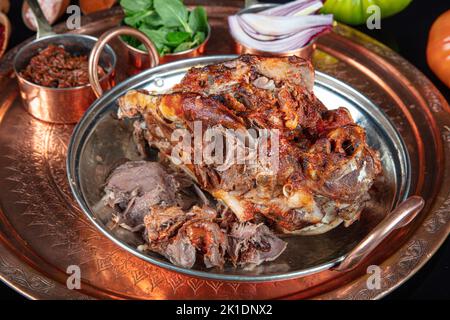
(134, 6)
(183, 47)
(158, 37)
(167, 23)
(176, 38)
(132, 41)
(199, 37)
(138, 18)
(173, 13)
(165, 50)
(153, 21)
(198, 20)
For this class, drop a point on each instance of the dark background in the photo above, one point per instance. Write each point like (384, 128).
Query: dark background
(406, 33)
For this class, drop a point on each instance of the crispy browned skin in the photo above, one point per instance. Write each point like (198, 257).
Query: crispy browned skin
(244, 86)
(325, 165)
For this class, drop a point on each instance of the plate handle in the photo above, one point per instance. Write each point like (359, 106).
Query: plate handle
(398, 218)
(94, 57)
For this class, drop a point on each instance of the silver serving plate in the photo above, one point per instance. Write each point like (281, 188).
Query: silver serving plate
(100, 141)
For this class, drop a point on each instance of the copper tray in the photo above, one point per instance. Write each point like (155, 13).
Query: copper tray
(42, 231)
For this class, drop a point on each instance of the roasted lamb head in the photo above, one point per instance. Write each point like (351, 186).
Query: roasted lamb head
(323, 166)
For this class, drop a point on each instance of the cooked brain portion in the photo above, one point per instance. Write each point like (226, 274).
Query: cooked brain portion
(135, 186)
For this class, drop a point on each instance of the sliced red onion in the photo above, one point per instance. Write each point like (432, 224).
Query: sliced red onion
(256, 35)
(283, 25)
(311, 34)
(299, 7)
(296, 41)
(252, 33)
(304, 11)
(281, 29)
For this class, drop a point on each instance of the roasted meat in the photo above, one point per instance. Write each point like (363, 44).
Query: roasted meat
(324, 167)
(152, 198)
(264, 92)
(179, 235)
(253, 244)
(135, 186)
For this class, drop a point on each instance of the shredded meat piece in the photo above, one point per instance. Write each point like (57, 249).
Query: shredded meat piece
(253, 244)
(162, 223)
(208, 238)
(145, 194)
(180, 235)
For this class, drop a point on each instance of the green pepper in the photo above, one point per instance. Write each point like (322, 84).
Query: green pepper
(354, 12)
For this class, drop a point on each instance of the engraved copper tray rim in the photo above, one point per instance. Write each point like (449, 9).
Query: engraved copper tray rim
(420, 244)
(416, 249)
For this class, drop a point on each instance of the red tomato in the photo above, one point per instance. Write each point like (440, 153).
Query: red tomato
(438, 48)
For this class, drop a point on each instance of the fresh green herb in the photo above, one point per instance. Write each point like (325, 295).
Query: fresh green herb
(173, 13)
(136, 19)
(198, 20)
(183, 47)
(175, 38)
(135, 6)
(158, 37)
(167, 23)
(199, 37)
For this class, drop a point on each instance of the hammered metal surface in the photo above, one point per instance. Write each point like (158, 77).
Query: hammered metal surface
(42, 231)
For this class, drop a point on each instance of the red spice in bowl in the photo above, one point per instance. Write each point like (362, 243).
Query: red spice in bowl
(54, 67)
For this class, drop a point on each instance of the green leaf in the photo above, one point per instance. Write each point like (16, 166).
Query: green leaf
(153, 21)
(167, 23)
(162, 52)
(173, 13)
(165, 50)
(158, 37)
(199, 37)
(134, 6)
(176, 38)
(138, 18)
(198, 20)
(183, 47)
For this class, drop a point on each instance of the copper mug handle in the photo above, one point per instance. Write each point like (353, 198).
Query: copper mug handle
(398, 218)
(94, 57)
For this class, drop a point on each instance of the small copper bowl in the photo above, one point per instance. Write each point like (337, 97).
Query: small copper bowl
(304, 52)
(138, 60)
(61, 105)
